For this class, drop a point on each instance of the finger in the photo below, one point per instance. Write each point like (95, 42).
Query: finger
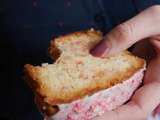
(141, 105)
(153, 71)
(144, 25)
(156, 111)
(156, 43)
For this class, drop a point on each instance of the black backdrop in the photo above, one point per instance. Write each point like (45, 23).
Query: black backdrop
(26, 28)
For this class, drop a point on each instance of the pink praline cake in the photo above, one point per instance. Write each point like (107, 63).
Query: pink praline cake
(100, 102)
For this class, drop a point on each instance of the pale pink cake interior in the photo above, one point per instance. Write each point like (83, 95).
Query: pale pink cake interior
(100, 102)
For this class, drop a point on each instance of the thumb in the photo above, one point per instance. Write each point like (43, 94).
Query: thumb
(144, 25)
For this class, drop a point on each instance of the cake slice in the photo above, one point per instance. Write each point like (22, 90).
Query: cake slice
(76, 74)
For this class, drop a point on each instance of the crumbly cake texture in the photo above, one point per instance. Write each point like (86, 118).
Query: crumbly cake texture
(76, 73)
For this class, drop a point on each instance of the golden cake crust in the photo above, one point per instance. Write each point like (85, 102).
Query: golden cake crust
(47, 96)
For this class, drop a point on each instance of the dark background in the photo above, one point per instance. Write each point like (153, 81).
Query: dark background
(27, 26)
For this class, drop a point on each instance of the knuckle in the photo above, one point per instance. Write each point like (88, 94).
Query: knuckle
(141, 113)
(155, 11)
(155, 8)
(125, 31)
(139, 110)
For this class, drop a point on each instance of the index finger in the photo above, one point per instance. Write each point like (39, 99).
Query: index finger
(145, 24)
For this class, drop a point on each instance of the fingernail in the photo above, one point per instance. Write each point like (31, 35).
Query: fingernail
(100, 51)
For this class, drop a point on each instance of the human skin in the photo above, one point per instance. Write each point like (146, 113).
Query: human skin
(145, 26)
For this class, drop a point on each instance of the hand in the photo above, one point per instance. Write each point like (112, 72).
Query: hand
(145, 26)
